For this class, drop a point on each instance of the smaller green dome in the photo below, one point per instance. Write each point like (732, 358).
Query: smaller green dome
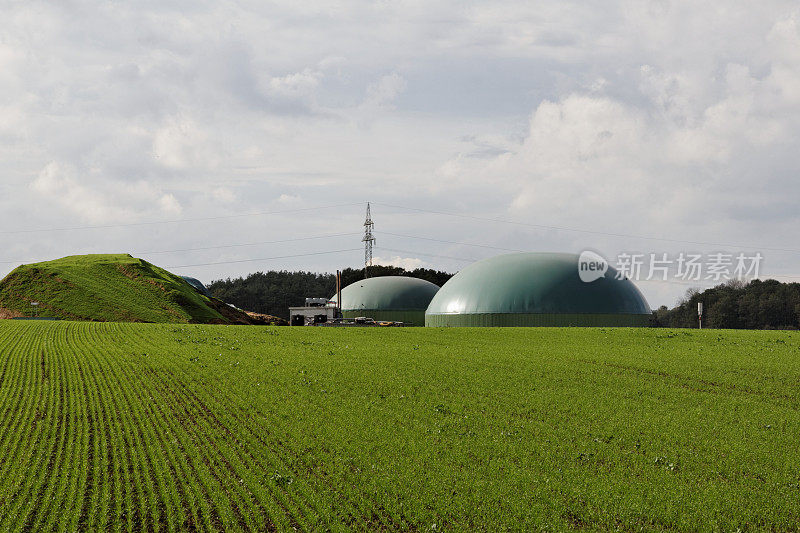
(197, 285)
(392, 298)
(400, 293)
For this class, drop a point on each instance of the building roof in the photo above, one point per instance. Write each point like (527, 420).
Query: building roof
(198, 286)
(388, 292)
(535, 283)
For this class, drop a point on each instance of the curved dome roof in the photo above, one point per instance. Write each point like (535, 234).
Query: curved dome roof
(198, 286)
(535, 283)
(388, 292)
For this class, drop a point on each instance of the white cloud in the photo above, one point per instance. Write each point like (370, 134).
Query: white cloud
(169, 204)
(62, 185)
(182, 144)
(288, 199)
(620, 117)
(408, 263)
(297, 84)
(385, 91)
(589, 154)
(59, 184)
(224, 195)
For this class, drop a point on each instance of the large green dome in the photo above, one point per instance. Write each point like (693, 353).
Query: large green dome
(535, 289)
(395, 298)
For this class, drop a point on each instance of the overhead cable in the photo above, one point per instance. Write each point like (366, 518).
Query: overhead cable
(264, 258)
(175, 221)
(593, 232)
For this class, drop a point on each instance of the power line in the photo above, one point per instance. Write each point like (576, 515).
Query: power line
(593, 232)
(356, 233)
(265, 258)
(427, 255)
(691, 283)
(250, 243)
(453, 242)
(515, 250)
(176, 221)
(221, 246)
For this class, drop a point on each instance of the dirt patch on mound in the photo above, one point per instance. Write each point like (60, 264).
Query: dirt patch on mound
(236, 316)
(267, 319)
(9, 313)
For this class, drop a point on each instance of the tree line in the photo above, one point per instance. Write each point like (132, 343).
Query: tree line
(767, 304)
(274, 291)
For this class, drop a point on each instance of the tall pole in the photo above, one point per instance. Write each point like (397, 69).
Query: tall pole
(368, 240)
(338, 294)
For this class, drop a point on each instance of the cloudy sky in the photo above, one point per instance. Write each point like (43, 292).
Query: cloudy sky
(176, 130)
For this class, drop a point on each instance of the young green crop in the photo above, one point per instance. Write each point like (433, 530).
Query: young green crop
(179, 427)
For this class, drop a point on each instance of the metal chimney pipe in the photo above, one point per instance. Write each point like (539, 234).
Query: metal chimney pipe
(339, 293)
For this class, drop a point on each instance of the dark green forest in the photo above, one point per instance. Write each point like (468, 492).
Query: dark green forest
(273, 292)
(767, 304)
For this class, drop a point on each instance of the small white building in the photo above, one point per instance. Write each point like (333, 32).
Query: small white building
(315, 311)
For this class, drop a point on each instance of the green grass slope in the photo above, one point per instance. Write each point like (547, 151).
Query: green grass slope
(181, 427)
(113, 287)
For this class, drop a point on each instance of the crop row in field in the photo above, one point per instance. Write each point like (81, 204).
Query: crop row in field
(177, 427)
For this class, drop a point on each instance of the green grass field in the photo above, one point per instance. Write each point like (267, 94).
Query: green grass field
(162, 426)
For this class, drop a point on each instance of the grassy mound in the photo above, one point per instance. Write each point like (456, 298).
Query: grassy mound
(112, 287)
